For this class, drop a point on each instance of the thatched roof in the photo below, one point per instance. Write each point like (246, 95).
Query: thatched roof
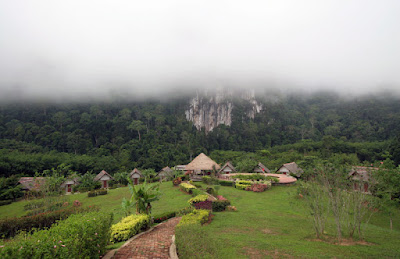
(101, 174)
(135, 171)
(228, 164)
(31, 183)
(293, 168)
(202, 162)
(260, 168)
(362, 173)
(166, 169)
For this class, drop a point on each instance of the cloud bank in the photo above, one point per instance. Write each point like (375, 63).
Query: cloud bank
(82, 49)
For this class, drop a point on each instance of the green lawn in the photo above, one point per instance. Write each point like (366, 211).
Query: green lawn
(275, 223)
(172, 199)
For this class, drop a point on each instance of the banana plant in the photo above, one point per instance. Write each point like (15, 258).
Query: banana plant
(142, 196)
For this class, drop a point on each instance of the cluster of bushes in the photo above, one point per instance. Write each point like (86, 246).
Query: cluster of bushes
(253, 186)
(35, 208)
(198, 198)
(243, 184)
(187, 187)
(164, 216)
(226, 183)
(79, 236)
(97, 192)
(10, 227)
(209, 180)
(196, 217)
(129, 226)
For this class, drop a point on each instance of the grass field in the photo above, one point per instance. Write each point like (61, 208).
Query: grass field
(270, 224)
(275, 223)
(171, 199)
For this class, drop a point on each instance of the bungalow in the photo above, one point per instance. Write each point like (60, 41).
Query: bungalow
(103, 177)
(135, 175)
(227, 169)
(290, 168)
(166, 173)
(31, 183)
(69, 183)
(180, 167)
(361, 177)
(260, 168)
(200, 166)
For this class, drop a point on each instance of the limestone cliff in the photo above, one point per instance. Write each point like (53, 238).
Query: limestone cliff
(210, 108)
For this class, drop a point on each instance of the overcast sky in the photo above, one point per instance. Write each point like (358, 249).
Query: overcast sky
(51, 48)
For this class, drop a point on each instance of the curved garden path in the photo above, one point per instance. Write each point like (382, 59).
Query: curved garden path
(152, 244)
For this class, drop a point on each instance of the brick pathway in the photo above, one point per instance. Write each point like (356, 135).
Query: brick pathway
(154, 244)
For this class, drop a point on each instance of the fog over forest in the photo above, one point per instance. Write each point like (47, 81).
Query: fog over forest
(68, 50)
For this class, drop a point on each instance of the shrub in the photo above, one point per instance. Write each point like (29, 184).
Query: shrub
(198, 198)
(11, 226)
(34, 205)
(177, 181)
(83, 189)
(242, 185)
(196, 217)
(129, 226)
(226, 183)
(209, 180)
(220, 205)
(92, 194)
(187, 187)
(101, 192)
(196, 192)
(79, 236)
(164, 216)
(221, 198)
(77, 203)
(184, 211)
(5, 202)
(211, 190)
(203, 205)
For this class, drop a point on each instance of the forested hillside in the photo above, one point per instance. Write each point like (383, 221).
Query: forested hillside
(152, 134)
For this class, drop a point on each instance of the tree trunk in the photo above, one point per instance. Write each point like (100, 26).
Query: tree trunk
(391, 222)
(139, 134)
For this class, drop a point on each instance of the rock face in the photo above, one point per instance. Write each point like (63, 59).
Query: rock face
(212, 108)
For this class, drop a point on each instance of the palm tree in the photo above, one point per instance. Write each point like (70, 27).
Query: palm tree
(142, 196)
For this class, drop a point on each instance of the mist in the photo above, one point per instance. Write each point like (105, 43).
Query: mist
(84, 50)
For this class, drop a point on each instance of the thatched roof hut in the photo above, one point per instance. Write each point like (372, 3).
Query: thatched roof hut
(260, 168)
(135, 175)
(202, 163)
(103, 177)
(227, 168)
(290, 168)
(31, 183)
(166, 173)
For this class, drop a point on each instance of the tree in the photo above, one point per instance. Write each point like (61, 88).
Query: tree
(136, 125)
(142, 196)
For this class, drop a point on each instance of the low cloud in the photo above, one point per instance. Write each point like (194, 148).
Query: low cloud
(97, 49)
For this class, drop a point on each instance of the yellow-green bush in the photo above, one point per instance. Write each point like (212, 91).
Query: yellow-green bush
(196, 217)
(128, 227)
(187, 187)
(198, 198)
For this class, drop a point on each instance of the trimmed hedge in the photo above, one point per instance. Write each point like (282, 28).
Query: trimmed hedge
(10, 227)
(196, 217)
(226, 183)
(164, 216)
(97, 192)
(79, 236)
(198, 198)
(220, 205)
(203, 205)
(128, 227)
(187, 187)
